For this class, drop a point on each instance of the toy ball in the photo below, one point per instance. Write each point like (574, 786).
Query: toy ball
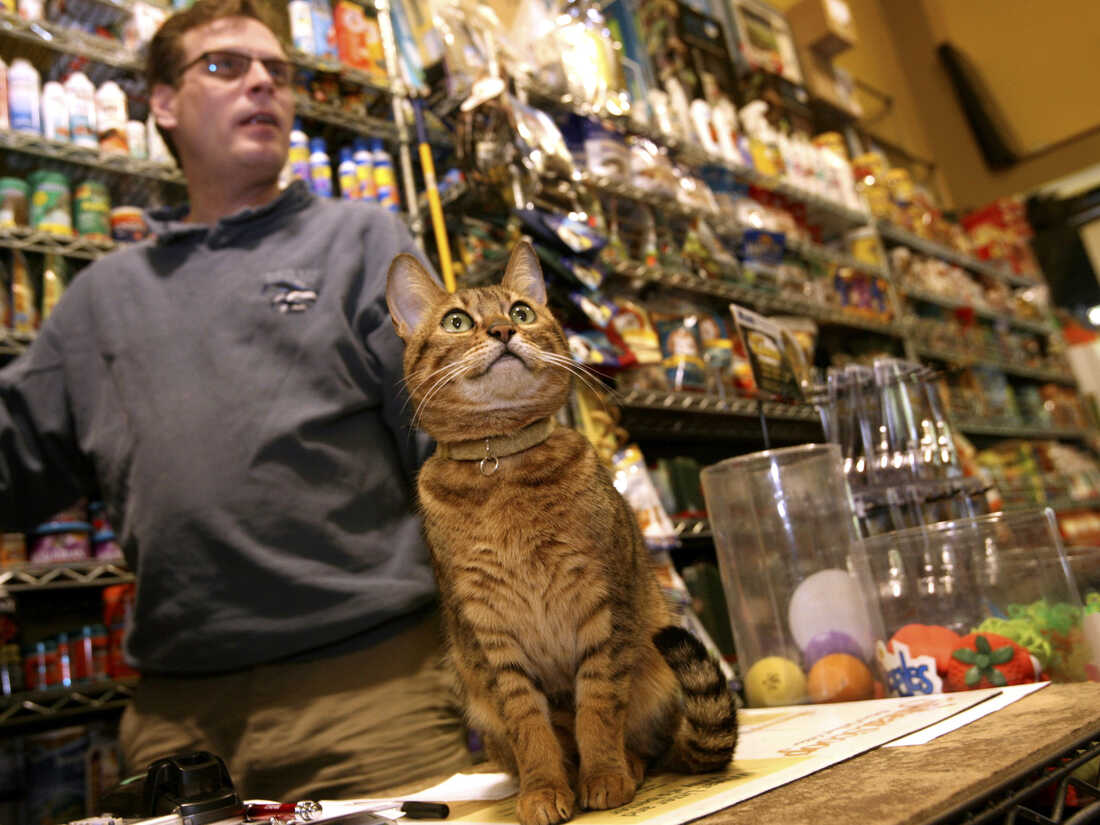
(774, 680)
(831, 641)
(840, 677)
(830, 600)
(928, 640)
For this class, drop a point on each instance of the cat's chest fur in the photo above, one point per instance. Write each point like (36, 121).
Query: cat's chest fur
(532, 546)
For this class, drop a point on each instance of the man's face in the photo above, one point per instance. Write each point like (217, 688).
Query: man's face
(235, 127)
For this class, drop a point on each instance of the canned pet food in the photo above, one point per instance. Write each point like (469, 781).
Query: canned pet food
(128, 224)
(51, 204)
(91, 210)
(13, 202)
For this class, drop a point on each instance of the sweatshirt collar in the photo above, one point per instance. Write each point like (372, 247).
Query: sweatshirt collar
(168, 225)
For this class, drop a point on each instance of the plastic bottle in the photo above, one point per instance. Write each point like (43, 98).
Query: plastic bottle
(53, 283)
(82, 655)
(364, 170)
(82, 123)
(111, 116)
(320, 168)
(301, 25)
(24, 97)
(100, 653)
(384, 181)
(158, 149)
(55, 111)
(64, 660)
(346, 173)
(299, 152)
(5, 123)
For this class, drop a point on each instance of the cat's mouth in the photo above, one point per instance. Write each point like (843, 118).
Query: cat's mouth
(507, 357)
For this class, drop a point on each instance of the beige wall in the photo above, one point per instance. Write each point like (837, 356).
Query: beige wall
(1039, 61)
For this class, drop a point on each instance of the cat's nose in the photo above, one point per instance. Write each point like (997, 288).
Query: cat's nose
(502, 332)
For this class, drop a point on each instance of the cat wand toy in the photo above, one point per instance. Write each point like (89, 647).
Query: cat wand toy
(431, 187)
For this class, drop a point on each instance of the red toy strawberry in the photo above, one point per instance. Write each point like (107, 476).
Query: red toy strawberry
(987, 660)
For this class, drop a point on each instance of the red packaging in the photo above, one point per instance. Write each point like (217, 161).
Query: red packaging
(358, 39)
(118, 606)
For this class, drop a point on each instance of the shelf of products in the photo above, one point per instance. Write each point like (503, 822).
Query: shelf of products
(70, 41)
(964, 358)
(71, 246)
(26, 577)
(33, 144)
(1030, 325)
(985, 428)
(64, 702)
(946, 253)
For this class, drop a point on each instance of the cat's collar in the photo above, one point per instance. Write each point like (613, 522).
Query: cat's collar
(489, 451)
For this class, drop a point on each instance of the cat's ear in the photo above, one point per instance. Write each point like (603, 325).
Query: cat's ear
(410, 292)
(524, 275)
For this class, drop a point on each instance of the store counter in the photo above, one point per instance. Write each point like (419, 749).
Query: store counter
(966, 770)
(976, 773)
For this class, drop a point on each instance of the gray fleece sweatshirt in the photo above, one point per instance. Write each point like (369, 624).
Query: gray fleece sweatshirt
(234, 394)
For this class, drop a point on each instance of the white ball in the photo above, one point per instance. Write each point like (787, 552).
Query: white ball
(830, 600)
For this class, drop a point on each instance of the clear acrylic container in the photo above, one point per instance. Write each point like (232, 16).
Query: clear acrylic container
(1004, 573)
(802, 609)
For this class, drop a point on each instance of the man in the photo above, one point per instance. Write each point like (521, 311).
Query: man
(232, 388)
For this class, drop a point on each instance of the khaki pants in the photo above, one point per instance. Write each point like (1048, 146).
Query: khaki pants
(332, 728)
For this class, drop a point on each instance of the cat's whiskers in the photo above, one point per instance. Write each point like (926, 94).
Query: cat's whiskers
(449, 373)
(586, 375)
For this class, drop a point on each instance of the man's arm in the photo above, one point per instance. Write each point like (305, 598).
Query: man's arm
(42, 469)
(388, 238)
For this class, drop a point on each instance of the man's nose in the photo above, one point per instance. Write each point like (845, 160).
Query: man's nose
(258, 77)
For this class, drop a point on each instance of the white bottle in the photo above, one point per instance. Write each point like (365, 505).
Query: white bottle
(110, 117)
(301, 25)
(24, 97)
(135, 139)
(55, 112)
(82, 127)
(31, 9)
(725, 123)
(705, 133)
(4, 122)
(158, 149)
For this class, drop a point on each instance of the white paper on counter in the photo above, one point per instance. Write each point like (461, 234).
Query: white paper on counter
(1005, 696)
(776, 746)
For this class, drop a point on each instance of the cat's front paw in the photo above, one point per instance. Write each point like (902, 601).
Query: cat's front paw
(545, 806)
(606, 789)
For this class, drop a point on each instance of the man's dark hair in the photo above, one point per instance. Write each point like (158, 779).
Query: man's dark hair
(165, 56)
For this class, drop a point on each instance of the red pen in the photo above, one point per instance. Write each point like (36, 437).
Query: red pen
(304, 810)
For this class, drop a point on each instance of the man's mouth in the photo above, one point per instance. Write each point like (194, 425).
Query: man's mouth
(263, 118)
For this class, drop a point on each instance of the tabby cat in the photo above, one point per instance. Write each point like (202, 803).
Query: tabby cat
(565, 650)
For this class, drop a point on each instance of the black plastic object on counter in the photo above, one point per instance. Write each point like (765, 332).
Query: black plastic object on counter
(195, 786)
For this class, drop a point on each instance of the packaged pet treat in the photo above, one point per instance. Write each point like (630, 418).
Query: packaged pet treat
(681, 351)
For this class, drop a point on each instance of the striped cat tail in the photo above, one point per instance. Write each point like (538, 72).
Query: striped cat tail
(708, 728)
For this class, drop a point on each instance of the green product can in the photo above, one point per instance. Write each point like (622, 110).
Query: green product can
(51, 204)
(14, 200)
(92, 210)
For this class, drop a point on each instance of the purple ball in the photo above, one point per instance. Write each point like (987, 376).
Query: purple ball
(831, 641)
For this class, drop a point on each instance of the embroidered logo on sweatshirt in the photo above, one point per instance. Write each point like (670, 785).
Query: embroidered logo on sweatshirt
(290, 295)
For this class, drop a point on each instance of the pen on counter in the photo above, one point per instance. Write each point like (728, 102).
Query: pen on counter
(412, 808)
(308, 810)
(304, 810)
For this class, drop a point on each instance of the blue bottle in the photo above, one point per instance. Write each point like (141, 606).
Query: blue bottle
(320, 169)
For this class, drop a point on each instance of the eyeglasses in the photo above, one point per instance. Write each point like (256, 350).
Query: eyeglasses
(233, 65)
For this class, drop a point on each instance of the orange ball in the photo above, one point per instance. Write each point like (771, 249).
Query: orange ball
(840, 677)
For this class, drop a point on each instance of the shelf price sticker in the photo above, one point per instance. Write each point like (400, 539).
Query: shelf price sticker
(778, 365)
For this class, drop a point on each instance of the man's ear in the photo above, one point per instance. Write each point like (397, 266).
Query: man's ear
(163, 104)
(524, 275)
(410, 293)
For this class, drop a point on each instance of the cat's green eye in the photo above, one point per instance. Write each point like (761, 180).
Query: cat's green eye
(521, 313)
(457, 321)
